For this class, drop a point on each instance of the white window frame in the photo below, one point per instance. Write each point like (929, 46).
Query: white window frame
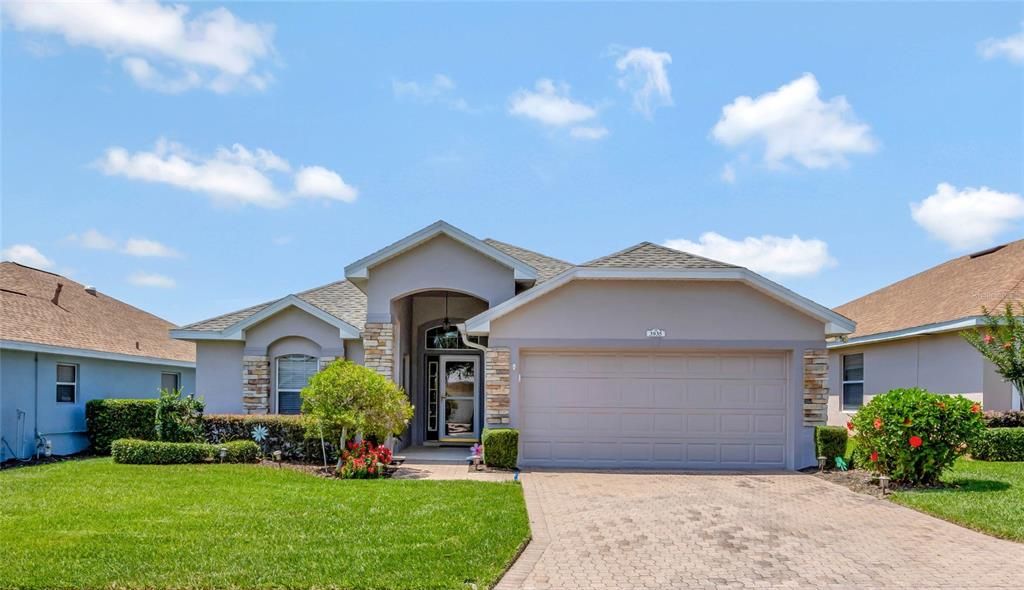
(842, 389)
(277, 378)
(74, 384)
(177, 379)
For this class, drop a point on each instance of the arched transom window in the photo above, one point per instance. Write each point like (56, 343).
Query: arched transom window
(441, 338)
(293, 373)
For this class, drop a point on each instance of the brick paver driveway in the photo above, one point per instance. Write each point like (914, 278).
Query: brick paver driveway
(618, 530)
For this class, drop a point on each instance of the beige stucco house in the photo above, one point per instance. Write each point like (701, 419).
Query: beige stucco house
(648, 357)
(908, 334)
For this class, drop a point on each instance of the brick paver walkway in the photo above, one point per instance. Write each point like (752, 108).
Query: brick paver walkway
(617, 530)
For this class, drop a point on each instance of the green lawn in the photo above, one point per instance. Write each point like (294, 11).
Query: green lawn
(988, 497)
(94, 524)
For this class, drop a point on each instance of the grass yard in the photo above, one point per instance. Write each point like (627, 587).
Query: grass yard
(94, 524)
(989, 497)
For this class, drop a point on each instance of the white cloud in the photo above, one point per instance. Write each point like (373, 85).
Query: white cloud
(440, 89)
(316, 181)
(728, 174)
(235, 175)
(1010, 47)
(148, 248)
(550, 104)
(212, 48)
(93, 240)
(591, 133)
(967, 218)
(146, 279)
(27, 255)
(644, 75)
(794, 123)
(772, 255)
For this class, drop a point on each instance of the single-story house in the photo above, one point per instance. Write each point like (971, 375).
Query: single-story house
(63, 344)
(648, 357)
(908, 334)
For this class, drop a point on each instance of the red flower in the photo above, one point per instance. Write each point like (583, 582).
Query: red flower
(874, 456)
(975, 408)
(1007, 346)
(942, 405)
(878, 423)
(988, 338)
(915, 441)
(849, 425)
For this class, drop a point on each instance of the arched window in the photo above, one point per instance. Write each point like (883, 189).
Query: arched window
(439, 338)
(293, 373)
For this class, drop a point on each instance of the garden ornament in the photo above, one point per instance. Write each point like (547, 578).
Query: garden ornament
(841, 464)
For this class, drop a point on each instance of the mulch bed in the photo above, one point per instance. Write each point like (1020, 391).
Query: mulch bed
(858, 480)
(316, 470)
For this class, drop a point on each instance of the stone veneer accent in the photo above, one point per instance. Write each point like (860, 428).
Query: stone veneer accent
(326, 360)
(256, 384)
(815, 387)
(497, 386)
(379, 348)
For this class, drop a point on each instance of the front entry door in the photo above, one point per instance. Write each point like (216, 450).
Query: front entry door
(459, 390)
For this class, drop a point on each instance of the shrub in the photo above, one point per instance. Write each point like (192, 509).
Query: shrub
(1004, 419)
(501, 447)
(145, 452)
(913, 435)
(364, 460)
(110, 419)
(830, 442)
(1002, 343)
(999, 444)
(179, 418)
(284, 433)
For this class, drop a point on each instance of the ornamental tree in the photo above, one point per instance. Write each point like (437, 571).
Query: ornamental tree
(912, 435)
(1001, 341)
(348, 399)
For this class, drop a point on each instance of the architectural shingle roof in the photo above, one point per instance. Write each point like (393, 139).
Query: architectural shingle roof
(79, 319)
(547, 267)
(648, 255)
(953, 290)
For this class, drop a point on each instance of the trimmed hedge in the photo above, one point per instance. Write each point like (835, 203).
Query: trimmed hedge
(501, 447)
(830, 442)
(1004, 419)
(144, 452)
(284, 433)
(1000, 444)
(110, 419)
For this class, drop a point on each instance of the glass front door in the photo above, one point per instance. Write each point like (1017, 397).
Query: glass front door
(459, 379)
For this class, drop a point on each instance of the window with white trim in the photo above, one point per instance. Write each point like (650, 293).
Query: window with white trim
(67, 383)
(853, 381)
(293, 373)
(170, 381)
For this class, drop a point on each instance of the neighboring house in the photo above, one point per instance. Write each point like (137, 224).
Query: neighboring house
(908, 334)
(63, 344)
(648, 357)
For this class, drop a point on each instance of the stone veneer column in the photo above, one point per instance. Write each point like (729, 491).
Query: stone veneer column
(497, 387)
(326, 360)
(815, 387)
(379, 348)
(256, 384)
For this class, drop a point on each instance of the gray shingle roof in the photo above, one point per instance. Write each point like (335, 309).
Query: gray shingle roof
(648, 255)
(546, 266)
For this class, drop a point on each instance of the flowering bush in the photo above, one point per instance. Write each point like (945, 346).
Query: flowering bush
(364, 460)
(912, 435)
(1002, 343)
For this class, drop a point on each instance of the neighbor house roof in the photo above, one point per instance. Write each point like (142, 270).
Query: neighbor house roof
(648, 255)
(949, 292)
(32, 318)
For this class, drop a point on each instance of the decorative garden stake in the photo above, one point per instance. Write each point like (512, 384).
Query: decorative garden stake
(821, 462)
(883, 482)
(841, 464)
(223, 453)
(277, 457)
(259, 434)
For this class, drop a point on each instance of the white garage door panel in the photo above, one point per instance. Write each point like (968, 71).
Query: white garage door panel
(689, 410)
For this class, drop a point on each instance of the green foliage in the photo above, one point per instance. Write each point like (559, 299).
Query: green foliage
(913, 435)
(830, 442)
(284, 433)
(346, 399)
(999, 444)
(179, 418)
(144, 452)
(110, 419)
(1001, 341)
(501, 447)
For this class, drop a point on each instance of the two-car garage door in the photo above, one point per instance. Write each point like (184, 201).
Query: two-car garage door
(695, 410)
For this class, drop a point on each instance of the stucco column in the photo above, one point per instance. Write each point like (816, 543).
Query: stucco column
(256, 384)
(497, 387)
(815, 387)
(379, 348)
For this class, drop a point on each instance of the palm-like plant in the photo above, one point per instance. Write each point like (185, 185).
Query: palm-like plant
(1001, 341)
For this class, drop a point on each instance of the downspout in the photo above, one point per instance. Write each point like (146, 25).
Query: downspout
(35, 406)
(483, 386)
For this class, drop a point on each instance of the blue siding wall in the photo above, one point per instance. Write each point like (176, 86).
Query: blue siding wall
(28, 384)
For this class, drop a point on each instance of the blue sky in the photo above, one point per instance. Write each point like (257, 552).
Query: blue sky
(572, 129)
